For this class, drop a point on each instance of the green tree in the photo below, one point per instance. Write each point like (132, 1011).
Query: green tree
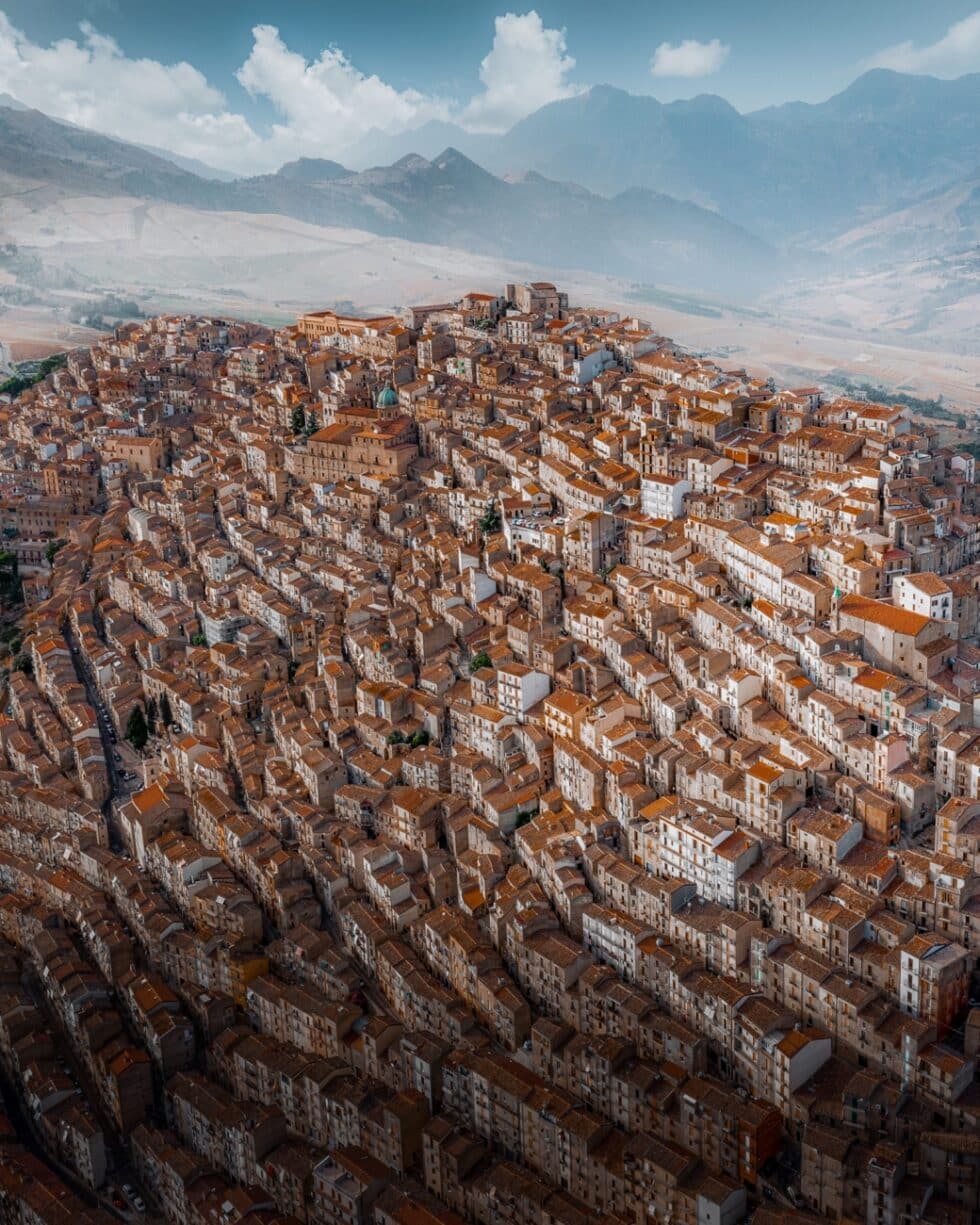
(57, 361)
(15, 385)
(298, 421)
(166, 712)
(311, 426)
(420, 738)
(24, 663)
(480, 660)
(198, 640)
(490, 521)
(52, 550)
(396, 737)
(137, 733)
(151, 715)
(10, 588)
(20, 382)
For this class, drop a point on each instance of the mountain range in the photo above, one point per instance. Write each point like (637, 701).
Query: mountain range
(447, 200)
(800, 171)
(692, 194)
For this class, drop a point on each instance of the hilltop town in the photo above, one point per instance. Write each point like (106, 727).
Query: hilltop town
(483, 764)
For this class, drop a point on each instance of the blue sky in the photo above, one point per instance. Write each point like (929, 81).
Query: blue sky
(247, 85)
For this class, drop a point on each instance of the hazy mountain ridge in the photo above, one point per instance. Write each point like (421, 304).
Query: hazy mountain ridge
(802, 173)
(448, 200)
(799, 171)
(869, 202)
(42, 151)
(192, 164)
(943, 225)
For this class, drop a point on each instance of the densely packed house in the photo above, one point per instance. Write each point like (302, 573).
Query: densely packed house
(484, 764)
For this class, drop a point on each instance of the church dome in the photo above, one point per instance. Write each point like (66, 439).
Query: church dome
(387, 397)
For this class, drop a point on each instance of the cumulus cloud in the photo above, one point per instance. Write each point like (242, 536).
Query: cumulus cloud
(689, 58)
(90, 82)
(329, 101)
(526, 67)
(323, 106)
(957, 52)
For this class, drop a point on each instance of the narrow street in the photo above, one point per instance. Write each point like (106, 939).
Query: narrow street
(121, 1171)
(117, 785)
(28, 1136)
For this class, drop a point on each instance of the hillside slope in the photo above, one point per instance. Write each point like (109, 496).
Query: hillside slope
(449, 200)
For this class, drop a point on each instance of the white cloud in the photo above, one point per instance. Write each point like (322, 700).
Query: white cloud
(689, 58)
(328, 103)
(957, 52)
(90, 82)
(323, 106)
(526, 67)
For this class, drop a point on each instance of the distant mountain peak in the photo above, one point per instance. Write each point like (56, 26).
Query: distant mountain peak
(885, 89)
(606, 91)
(411, 161)
(704, 104)
(451, 161)
(312, 170)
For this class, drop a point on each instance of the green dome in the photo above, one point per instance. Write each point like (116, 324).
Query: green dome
(387, 397)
